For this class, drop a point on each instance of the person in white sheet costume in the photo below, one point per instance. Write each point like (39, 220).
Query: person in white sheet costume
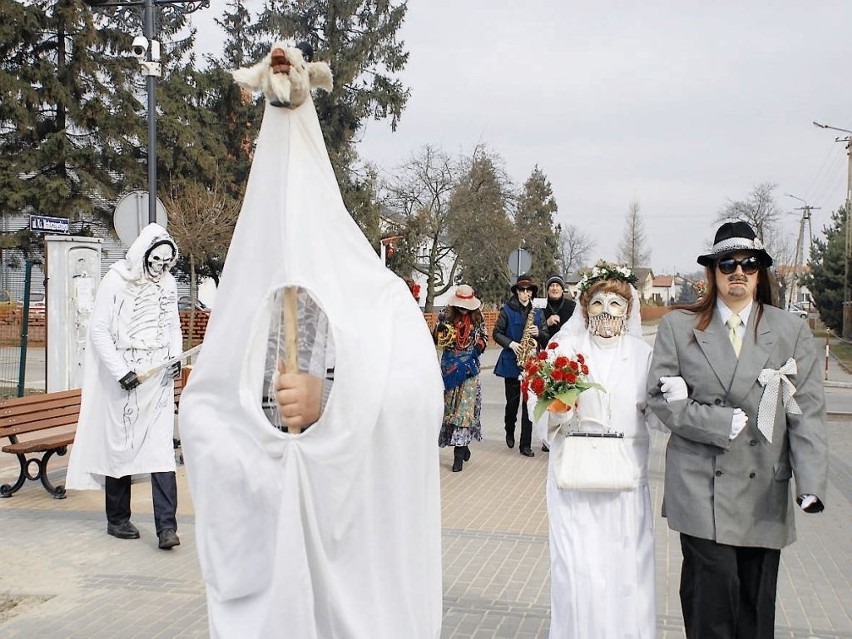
(602, 543)
(333, 532)
(126, 427)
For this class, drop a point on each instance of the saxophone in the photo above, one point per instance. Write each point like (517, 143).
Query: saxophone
(528, 343)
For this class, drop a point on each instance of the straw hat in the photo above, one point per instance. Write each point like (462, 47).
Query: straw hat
(463, 297)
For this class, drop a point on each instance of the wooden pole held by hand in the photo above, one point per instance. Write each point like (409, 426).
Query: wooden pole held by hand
(291, 341)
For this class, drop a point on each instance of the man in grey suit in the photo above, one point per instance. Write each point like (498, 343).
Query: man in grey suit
(738, 383)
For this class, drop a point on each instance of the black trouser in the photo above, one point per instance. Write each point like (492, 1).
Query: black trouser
(513, 398)
(727, 592)
(163, 492)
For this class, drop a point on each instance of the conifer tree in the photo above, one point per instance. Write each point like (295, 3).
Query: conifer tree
(480, 229)
(237, 118)
(534, 224)
(827, 271)
(69, 122)
(358, 38)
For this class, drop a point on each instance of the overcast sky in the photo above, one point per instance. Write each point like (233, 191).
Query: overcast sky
(678, 104)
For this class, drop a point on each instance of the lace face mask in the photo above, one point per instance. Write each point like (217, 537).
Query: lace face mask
(607, 314)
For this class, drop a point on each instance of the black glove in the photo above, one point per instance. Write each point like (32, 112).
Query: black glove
(173, 371)
(129, 381)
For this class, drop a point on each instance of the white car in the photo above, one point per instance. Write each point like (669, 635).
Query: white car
(798, 310)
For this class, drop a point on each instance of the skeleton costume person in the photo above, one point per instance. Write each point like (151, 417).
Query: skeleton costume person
(334, 531)
(125, 426)
(602, 543)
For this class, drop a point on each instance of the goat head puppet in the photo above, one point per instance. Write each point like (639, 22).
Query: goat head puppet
(286, 75)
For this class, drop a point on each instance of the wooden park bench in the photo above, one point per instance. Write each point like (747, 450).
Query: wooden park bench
(43, 424)
(47, 423)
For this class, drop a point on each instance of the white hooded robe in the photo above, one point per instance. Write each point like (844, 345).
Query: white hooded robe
(334, 532)
(134, 326)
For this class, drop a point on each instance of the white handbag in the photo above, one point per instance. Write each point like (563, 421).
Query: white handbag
(595, 461)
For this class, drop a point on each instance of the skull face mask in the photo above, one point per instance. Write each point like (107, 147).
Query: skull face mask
(158, 260)
(607, 314)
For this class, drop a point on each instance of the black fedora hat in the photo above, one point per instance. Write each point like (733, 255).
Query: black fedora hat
(733, 237)
(524, 281)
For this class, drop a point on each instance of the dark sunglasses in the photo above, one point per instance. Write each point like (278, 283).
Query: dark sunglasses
(524, 288)
(728, 265)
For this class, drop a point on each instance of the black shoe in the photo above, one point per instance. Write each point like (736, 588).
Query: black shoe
(510, 439)
(544, 448)
(168, 539)
(124, 530)
(466, 453)
(458, 464)
(526, 451)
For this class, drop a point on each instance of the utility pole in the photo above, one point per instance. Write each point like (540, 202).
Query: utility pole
(847, 290)
(798, 266)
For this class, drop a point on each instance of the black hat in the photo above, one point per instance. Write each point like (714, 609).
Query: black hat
(555, 279)
(731, 238)
(526, 282)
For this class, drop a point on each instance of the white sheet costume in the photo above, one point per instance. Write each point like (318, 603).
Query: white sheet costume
(602, 543)
(134, 326)
(334, 532)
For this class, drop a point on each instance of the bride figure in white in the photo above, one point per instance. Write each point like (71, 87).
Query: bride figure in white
(602, 543)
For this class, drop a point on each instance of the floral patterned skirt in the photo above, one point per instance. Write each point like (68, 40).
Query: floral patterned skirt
(462, 407)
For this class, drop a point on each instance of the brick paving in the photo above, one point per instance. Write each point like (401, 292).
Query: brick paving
(62, 576)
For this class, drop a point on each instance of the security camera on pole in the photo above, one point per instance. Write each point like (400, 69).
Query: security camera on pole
(146, 49)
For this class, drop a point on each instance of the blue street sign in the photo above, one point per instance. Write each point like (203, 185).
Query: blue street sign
(45, 224)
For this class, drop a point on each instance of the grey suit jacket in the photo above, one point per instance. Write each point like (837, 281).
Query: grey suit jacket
(737, 492)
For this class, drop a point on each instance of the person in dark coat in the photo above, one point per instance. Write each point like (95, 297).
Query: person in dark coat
(508, 333)
(559, 308)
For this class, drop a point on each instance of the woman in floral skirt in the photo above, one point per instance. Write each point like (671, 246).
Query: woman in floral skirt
(461, 334)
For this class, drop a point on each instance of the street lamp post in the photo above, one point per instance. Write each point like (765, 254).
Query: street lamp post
(847, 291)
(146, 49)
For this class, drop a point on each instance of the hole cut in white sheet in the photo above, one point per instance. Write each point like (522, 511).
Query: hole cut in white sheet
(314, 345)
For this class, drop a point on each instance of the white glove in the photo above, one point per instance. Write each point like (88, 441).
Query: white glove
(557, 418)
(738, 422)
(807, 501)
(673, 388)
(514, 346)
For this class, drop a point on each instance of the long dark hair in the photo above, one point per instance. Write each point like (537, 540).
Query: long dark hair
(706, 304)
(453, 313)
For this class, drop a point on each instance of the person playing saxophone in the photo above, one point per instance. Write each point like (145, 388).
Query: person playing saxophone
(520, 331)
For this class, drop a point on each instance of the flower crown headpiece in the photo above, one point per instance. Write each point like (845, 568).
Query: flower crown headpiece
(606, 271)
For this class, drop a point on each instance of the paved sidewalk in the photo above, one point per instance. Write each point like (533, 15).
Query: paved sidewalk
(61, 576)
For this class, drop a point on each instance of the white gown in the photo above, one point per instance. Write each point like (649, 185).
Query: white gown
(602, 544)
(334, 533)
(135, 326)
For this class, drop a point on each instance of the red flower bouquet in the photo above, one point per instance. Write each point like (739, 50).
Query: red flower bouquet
(556, 380)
